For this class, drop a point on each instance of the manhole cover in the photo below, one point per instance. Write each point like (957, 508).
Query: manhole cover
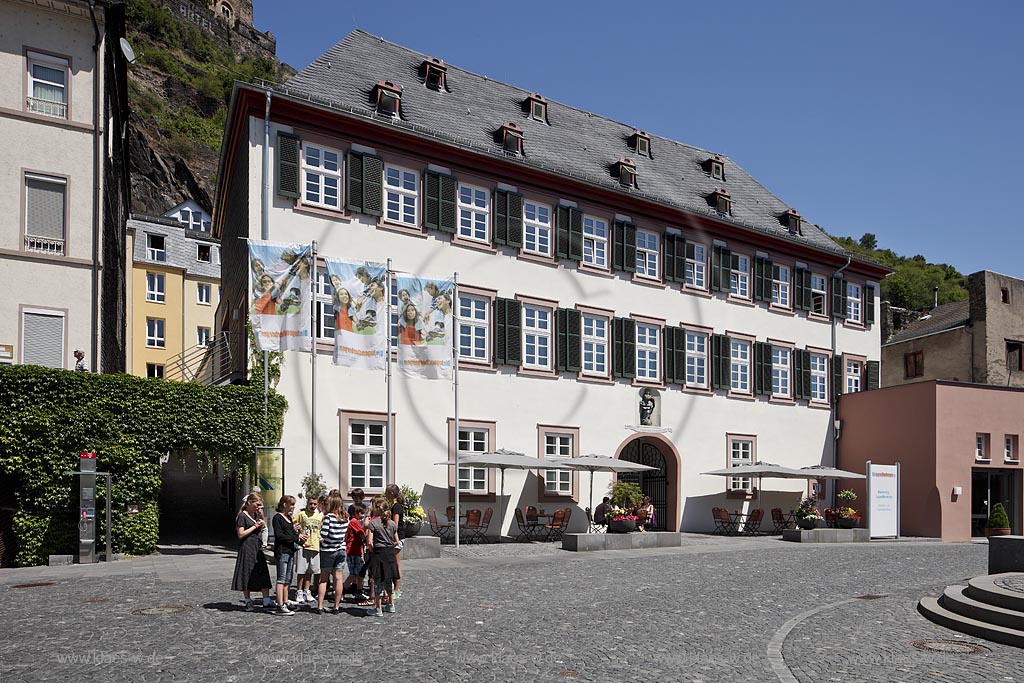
(569, 673)
(161, 610)
(37, 584)
(949, 647)
(871, 597)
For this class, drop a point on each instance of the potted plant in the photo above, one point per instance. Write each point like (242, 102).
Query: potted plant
(846, 516)
(625, 496)
(807, 515)
(313, 486)
(998, 522)
(412, 513)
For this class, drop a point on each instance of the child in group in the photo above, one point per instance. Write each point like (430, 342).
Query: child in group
(333, 531)
(308, 559)
(355, 540)
(382, 537)
(287, 537)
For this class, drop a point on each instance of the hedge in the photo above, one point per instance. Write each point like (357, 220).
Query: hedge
(48, 416)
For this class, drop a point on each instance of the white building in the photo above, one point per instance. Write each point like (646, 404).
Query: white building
(594, 261)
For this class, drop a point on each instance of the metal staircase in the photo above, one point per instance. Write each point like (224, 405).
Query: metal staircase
(208, 365)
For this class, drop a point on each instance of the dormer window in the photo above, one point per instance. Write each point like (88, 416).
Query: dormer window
(389, 98)
(538, 107)
(627, 172)
(435, 73)
(791, 219)
(721, 201)
(642, 143)
(512, 137)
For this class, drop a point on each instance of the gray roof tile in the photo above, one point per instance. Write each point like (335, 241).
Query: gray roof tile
(180, 245)
(945, 317)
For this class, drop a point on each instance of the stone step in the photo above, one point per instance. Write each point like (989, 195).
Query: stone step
(984, 589)
(930, 608)
(955, 600)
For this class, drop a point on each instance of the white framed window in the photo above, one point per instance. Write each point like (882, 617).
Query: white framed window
(648, 352)
(473, 442)
(647, 252)
(819, 377)
(155, 287)
(853, 303)
(401, 194)
(595, 345)
(853, 372)
(739, 365)
(536, 228)
(202, 336)
(741, 452)
(203, 252)
(474, 213)
(696, 265)
(193, 220)
(155, 250)
(696, 360)
(42, 338)
(1010, 452)
(474, 328)
(367, 454)
(981, 447)
(595, 241)
(780, 285)
(558, 482)
(45, 214)
(321, 176)
(154, 371)
(819, 294)
(155, 333)
(48, 85)
(780, 372)
(536, 337)
(203, 294)
(323, 299)
(739, 276)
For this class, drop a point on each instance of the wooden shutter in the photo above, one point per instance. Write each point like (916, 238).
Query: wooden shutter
(499, 219)
(802, 289)
(872, 372)
(838, 297)
(837, 376)
(508, 218)
(801, 374)
(675, 258)
(439, 192)
(569, 339)
(569, 233)
(721, 370)
(508, 331)
(763, 271)
(624, 246)
(721, 266)
(354, 186)
(289, 150)
(624, 347)
(869, 305)
(675, 355)
(365, 183)
(762, 368)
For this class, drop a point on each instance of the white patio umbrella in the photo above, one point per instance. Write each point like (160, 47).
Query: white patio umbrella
(761, 469)
(602, 463)
(825, 472)
(503, 459)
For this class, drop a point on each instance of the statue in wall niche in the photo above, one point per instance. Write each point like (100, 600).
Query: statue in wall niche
(646, 408)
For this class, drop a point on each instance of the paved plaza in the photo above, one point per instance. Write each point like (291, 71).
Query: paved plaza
(716, 609)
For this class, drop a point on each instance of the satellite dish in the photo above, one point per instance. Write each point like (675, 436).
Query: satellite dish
(129, 53)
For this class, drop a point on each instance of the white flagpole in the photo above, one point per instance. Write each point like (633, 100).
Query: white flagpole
(455, 376)
(387, 374)
(314, 319)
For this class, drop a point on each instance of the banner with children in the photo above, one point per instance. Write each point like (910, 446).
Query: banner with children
(425, 323)
(279, 289)
(360, 313)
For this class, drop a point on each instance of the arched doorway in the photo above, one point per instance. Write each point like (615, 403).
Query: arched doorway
(654, 483)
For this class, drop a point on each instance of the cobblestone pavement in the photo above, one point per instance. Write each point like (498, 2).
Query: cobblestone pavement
(713, 610)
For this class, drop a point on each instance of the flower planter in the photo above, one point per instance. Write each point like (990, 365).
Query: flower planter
(409, 529)
(847, 522)
(997, 531)
(808, 523)
(623, 526)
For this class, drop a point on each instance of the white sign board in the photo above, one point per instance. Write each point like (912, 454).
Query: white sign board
(883, 500)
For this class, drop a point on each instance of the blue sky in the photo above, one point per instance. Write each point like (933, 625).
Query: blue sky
(899, 118)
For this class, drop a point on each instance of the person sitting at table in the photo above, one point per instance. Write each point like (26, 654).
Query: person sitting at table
(646, 514)
(600, 512)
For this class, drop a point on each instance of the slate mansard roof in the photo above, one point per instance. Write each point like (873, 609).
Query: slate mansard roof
(572, 142)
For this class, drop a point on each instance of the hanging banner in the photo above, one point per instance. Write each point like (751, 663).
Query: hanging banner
(425, 323)
(360, 313)
(279, 289)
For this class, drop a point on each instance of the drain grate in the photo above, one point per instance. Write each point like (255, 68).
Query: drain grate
(871, 597)
(950, 647)
(162, 610)
(569, 673)
(37, 584)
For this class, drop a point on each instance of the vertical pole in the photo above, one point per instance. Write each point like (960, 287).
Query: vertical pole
(106, 504)
(314, 318)
(388, 276)
(265, 235)
(455, 377)
(899, 494)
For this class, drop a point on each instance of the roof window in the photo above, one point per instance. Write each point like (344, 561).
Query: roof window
(434, 73)
(715, 167)
(389, 98)
(791, 219)
(538, 107)
(627, 172)
(721, 201)
(642, 143)
(512, 137)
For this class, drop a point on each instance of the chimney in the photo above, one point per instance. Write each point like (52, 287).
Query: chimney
(935, 295)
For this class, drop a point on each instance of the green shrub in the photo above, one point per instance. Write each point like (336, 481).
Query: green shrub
(998, 519)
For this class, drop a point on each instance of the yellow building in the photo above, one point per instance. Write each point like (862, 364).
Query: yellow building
(173, 290)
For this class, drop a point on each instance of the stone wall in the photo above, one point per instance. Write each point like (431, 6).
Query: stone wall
(241, 38)
(996, 323)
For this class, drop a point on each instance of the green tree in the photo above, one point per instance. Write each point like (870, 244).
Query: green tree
(869, 241)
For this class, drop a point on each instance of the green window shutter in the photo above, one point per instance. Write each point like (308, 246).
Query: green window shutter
(872, 371)
(499, 219)
(561, 346)
(759, 369)
(562, 231)
(837, 376)
(805, 381)
(515, 220)
(624, 347)
(766, 368)
(725, 358)
(576, 235)
(869, 305)
(671, 251)
(449, 215)
(569, 339)
(624, 246)
(675, 355)
(763, 271)
(802, 289)
(431, 200)
(289, 149)
(808, 292)
(668, 343)
(354, 187)
(508, 342)
(721, 265)
(719, 379)
(499, 348)
(801, 374)
(838, 297)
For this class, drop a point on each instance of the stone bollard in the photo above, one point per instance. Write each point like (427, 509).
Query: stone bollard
(1005, 554)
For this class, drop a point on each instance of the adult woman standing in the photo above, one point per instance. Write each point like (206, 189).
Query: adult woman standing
(396, 501)
(251, 573)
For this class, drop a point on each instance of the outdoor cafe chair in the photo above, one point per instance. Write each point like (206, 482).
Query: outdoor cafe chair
(449, 512)
(532, 516)
(525, 530)
(830, 518)
(554, 531)
(595, 528)
(442, 531)
(724, 524)
(485, 523)
(752, 525)
(780, 521)
(471, 528)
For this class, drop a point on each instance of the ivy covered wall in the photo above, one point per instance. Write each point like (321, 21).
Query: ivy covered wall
(48, 416)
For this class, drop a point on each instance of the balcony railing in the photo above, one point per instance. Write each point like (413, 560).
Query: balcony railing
(208, 364)
(44, 245)
(58, 110)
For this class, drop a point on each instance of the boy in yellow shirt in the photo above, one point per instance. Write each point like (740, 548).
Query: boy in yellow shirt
(310, 518)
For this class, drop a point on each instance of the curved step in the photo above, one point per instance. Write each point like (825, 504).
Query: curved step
(955, 600)
(984, 589)
(930, 608)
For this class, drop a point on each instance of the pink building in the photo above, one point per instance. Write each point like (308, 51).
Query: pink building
(958, 446)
